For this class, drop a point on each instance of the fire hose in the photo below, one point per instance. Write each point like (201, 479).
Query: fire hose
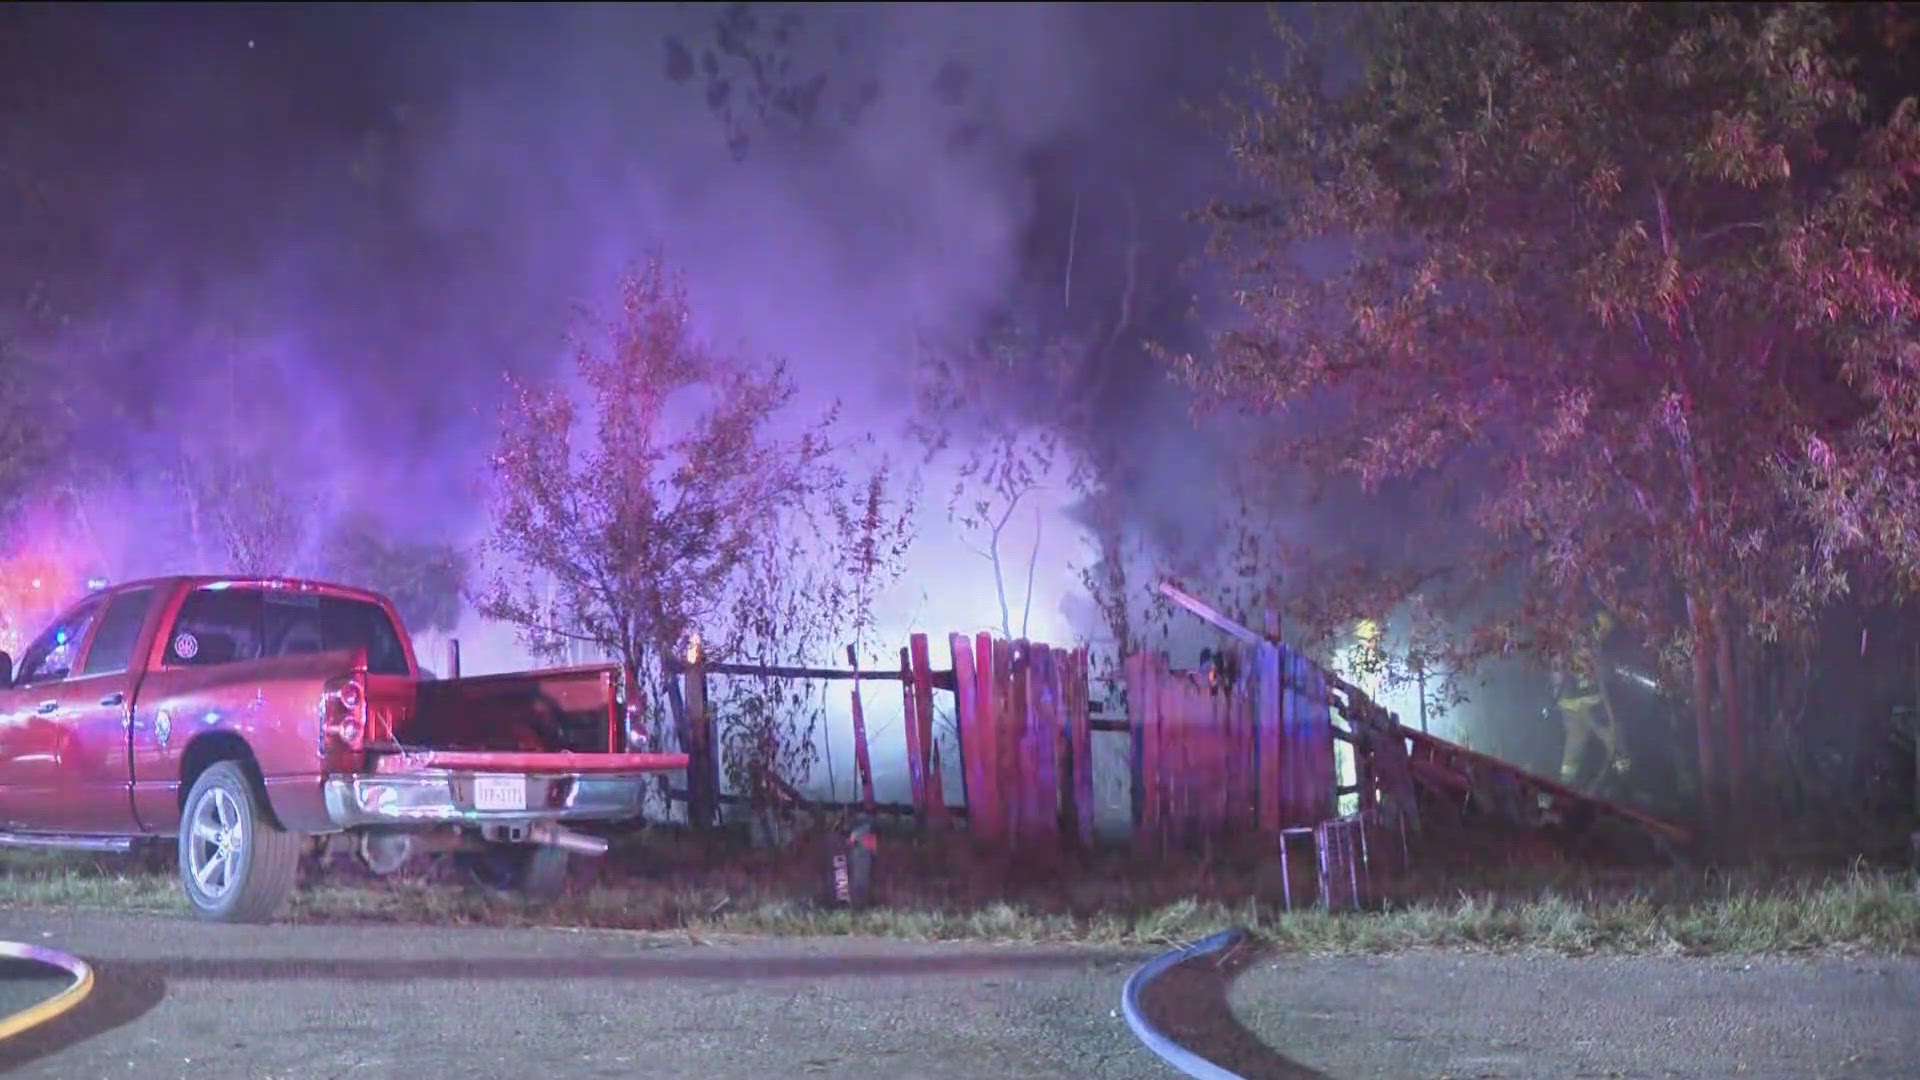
(1181, 1058)
(74, 993)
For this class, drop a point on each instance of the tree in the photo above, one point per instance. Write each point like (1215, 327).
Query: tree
(810, 586)
(1609, 263)
(871, 532)
(997, 410)
(246, 516)
(784, 613)
(749, 80)
(425, 581)
(250, 494)
(644, 508)
(35, 420)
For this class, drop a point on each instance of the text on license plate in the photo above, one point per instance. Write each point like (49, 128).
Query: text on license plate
(499, 793)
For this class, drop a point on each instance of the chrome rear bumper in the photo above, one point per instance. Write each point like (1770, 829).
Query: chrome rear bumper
(446, 797)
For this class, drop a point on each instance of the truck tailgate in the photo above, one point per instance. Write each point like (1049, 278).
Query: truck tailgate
(517, 761)
(478, 787)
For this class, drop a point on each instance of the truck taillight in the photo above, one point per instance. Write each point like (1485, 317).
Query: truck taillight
(343, 717)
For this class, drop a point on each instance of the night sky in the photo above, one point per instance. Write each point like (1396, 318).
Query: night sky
(360, 216)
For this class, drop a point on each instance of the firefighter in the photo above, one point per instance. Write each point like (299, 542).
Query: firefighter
(1586, 714)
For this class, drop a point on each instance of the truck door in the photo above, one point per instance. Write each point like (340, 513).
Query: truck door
(64, 763)
(30, 713)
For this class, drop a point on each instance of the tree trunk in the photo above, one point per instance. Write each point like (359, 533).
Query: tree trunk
(194, 532)
(1615, 738)
(1732, 714)
(1703, 723)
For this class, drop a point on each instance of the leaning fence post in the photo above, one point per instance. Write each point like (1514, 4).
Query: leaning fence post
(862, 759)
(916, 754)
(703, 765)
(931, 785)
(993, 681)
(966, 729)
(1080, 733)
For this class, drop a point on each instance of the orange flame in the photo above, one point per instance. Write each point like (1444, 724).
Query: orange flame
(38, 577)
(33, 587)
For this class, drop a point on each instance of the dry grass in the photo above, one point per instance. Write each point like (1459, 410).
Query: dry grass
(927, 891)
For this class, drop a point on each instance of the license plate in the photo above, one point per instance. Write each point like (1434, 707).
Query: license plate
(499, 793)
(842, 884)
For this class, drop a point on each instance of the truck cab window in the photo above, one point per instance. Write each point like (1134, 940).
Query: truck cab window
(224, 625)
(51, 657)
(112, 648)
(354, 623)
(297, 624)
(215, 626)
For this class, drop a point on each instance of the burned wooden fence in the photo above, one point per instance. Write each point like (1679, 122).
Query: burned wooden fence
(1215, 757)
(696, 728)
(1208, 758)
(1242, 749)
(1022, 722)
(1026, 741)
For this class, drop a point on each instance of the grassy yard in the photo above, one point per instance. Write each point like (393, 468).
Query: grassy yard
(927, 891)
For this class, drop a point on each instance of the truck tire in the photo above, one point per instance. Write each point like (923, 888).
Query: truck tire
(236, 865)
(537, 872)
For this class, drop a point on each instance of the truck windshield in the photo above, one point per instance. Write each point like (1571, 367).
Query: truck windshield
(226, 625)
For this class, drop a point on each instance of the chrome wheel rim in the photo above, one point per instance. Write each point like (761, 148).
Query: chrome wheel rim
(213, 845)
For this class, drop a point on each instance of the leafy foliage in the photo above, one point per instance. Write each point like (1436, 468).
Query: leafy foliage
(769, 726)
(999, 411)
(1860, 258)
(630, 524)
(250, 494)
(254, 515)
(750, 81)
(810, 586)
(35, 423)
(425, 581)
(1621, 262)
(871, 532)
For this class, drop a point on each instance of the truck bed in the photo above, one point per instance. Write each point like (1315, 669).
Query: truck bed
(573, 710)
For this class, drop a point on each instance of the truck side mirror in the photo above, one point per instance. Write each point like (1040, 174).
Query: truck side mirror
(6, 670)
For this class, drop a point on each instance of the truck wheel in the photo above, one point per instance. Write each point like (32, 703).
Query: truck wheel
(236, 865)
(537, 872)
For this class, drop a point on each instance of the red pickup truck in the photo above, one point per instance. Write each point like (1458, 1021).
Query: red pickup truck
(257, 719)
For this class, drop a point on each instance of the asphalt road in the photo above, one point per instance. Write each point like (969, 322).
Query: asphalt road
(179, 998)
(1466, 1016)
(174, 997)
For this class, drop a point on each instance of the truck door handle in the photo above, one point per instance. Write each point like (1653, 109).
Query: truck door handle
(116, 698)
(47, 707)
